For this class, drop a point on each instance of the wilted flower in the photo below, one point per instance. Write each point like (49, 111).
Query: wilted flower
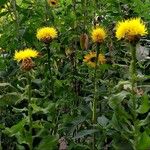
(84, 41)
(52, 2)
(90, 59)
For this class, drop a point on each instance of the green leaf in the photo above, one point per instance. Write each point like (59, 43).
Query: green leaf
(37, 124)
(4, 84)
(78, 120)
(23, 137)
(116, 99)
(2, 2)
(9, 99)
(46, 110)
(144, 142)
(36, 108)
(123, 85)
(48, 143)
(3, 13)
(16, 128)
(145, 121)
(103, 121)
(2, 126)
(145, 106)
(84, 133)
(77, 146)
(115, 122)
(4, 87)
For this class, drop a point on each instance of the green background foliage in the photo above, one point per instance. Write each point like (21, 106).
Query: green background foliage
(62, 102)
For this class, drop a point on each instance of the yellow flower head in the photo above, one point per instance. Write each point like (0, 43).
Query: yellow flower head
(52, 2)
(46, 34)
(90, 59)
(98, 35)
(25, 54)
(130, 29)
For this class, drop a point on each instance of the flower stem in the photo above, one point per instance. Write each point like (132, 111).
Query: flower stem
(49, 76)
(30, 112)
(133, 75)
(46, 12)
(95, 88)
(16, 21)
(48, 58)
(84, 7)
(94, 116)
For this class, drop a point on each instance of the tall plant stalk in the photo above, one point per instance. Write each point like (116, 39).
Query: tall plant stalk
(46, 11)
(84, 7)
(94, 107)
(74, 59)
(12, 8)
(16, 17)
(48, 57)
(49, 71)
(133, 75)
(30, 112)
(15, 14)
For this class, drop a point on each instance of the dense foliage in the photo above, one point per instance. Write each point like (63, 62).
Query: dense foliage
(57, 99)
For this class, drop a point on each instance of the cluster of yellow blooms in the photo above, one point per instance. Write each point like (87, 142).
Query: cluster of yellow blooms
(98, 36)
(130, 30)
(46, 35)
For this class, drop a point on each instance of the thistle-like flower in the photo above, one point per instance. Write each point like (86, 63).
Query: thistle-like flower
(46, 34)
(98, 35)
(25, 57)
(131, 29)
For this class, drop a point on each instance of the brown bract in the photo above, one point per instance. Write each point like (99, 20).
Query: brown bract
(27, 64)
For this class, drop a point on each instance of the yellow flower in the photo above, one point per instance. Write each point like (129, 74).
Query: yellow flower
(98, 35)
(90, 59)
(46, 34)
(25, 54)
(130, 29)
(52, 2)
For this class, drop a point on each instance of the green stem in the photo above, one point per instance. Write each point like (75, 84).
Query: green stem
(133, 74)
(30, 112)
(48, 58)
(74, 59)
(0, 141)
(49, 76)
(10, 12)
(94, 116)
(15, 17)
(46, 12)
(84, 9)
(95, 88)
